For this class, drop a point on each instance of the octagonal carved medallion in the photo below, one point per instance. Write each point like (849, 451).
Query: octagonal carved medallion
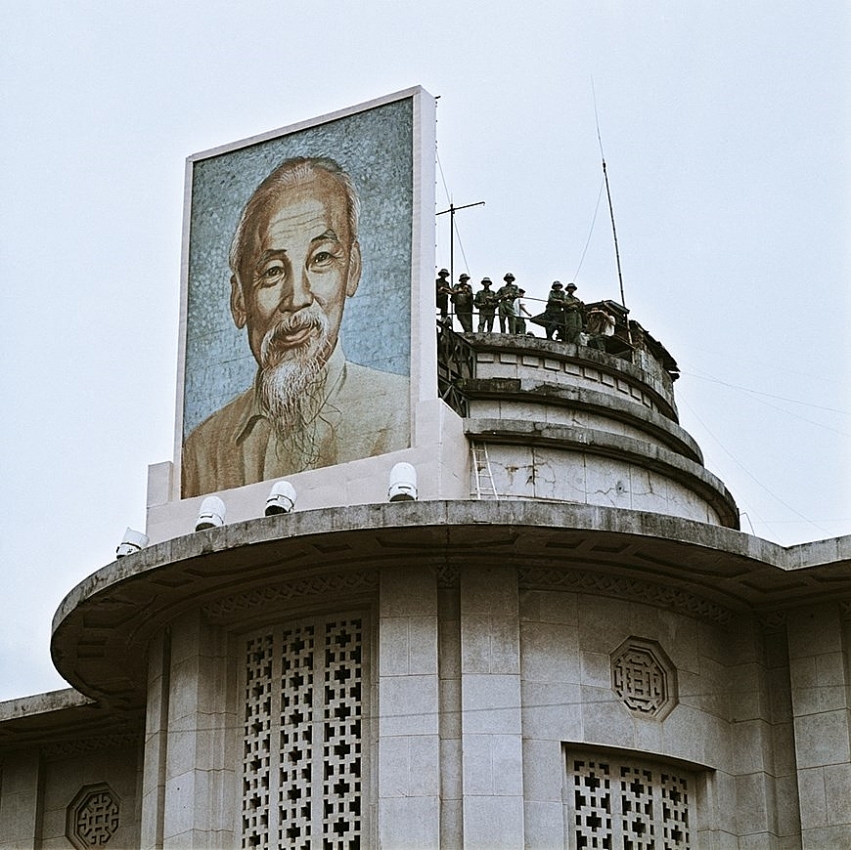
(92, 817)
(644, 678)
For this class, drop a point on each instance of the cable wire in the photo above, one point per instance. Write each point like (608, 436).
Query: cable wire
(707, 377)
(750, 474)
(590, 232)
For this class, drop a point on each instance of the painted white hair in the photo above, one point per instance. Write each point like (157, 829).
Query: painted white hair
(288, 173)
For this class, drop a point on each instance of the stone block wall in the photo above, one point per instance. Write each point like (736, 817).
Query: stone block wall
(485, 702)
(81, 790)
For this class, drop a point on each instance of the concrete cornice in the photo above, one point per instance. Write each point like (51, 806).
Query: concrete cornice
(102, 627)
(45, 703)
(63, 722)
(624, 410)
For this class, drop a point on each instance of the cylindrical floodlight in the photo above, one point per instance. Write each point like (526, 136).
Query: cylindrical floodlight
(132, 542)
(212, 513)
(281, 498)
(403, 483)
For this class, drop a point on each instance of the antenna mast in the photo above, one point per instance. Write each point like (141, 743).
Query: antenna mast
(452, 210)
(609, 197)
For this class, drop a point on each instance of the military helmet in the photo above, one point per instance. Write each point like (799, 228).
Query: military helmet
(571, 286)
(463, 277)
(486, 280)
(443, 273)
(509, 277)
(556, 284)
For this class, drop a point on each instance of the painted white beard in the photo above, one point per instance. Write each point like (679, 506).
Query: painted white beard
(291, 383)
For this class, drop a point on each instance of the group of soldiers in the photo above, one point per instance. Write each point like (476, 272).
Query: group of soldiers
(565, 316)
(568, 319)
(506, 302)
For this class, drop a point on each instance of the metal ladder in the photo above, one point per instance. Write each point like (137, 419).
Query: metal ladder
(485, 487)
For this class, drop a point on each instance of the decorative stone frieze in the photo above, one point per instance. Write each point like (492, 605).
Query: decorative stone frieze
(91, 743)
(644, 678)
(534, 578)
(223, 610)
(92, 817)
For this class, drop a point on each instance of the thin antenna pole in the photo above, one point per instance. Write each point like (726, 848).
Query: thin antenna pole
(451, 244)
(452, 210)
(608, 195)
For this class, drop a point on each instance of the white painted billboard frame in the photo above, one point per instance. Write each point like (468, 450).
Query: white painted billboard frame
(423, 366)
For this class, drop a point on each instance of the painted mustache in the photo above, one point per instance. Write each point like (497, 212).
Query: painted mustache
(293, 332)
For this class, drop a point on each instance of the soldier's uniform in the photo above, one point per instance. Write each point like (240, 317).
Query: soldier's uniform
(574, 318)
(462, 299)
(442, 287)
(554, 312)
(486, 302)
(506, 295)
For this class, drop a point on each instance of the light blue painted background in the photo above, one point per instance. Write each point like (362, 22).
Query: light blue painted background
(375, 148)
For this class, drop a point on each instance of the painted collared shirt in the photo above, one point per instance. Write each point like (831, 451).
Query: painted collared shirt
(364, 412)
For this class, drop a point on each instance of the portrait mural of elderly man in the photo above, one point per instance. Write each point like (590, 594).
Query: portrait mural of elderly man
(296, 262)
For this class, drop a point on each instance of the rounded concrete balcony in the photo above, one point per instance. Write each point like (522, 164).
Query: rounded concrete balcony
(569, 423)
(334, 557)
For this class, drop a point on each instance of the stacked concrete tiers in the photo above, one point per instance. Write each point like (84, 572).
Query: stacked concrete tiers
(573, 424)
(590, 651)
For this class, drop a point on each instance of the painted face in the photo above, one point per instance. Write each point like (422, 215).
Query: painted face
(298, 267)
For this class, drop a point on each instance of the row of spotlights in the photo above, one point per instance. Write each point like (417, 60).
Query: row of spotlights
(281, 500)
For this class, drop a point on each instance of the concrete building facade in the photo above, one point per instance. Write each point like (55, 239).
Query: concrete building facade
(611, 664)
(564, 641)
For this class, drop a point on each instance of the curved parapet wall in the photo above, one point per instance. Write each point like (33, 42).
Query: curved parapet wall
(511, 644)
(233, 574)
(509, 356)
(570, 423)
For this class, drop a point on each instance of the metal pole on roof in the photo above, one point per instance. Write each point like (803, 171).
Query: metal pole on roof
(608, 196)
(452, 210)
(614, 231)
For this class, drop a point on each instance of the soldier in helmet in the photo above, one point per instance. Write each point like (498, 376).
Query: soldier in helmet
(574, 315)
(486, 302)
(506, 295)
(554, 312)
(442, 289)
(462, 299)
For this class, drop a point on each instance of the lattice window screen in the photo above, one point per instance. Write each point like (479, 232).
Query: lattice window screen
(257, 768)
(341, 753)
(302, 749)
(615, 804)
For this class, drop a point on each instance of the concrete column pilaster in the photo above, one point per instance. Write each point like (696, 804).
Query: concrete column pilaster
(491, 724)
(408, 694)
(818, 667)
(156, 743)
(20, 814)
(188, 783)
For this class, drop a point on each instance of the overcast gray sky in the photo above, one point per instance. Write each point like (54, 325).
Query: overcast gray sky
(726, 132)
